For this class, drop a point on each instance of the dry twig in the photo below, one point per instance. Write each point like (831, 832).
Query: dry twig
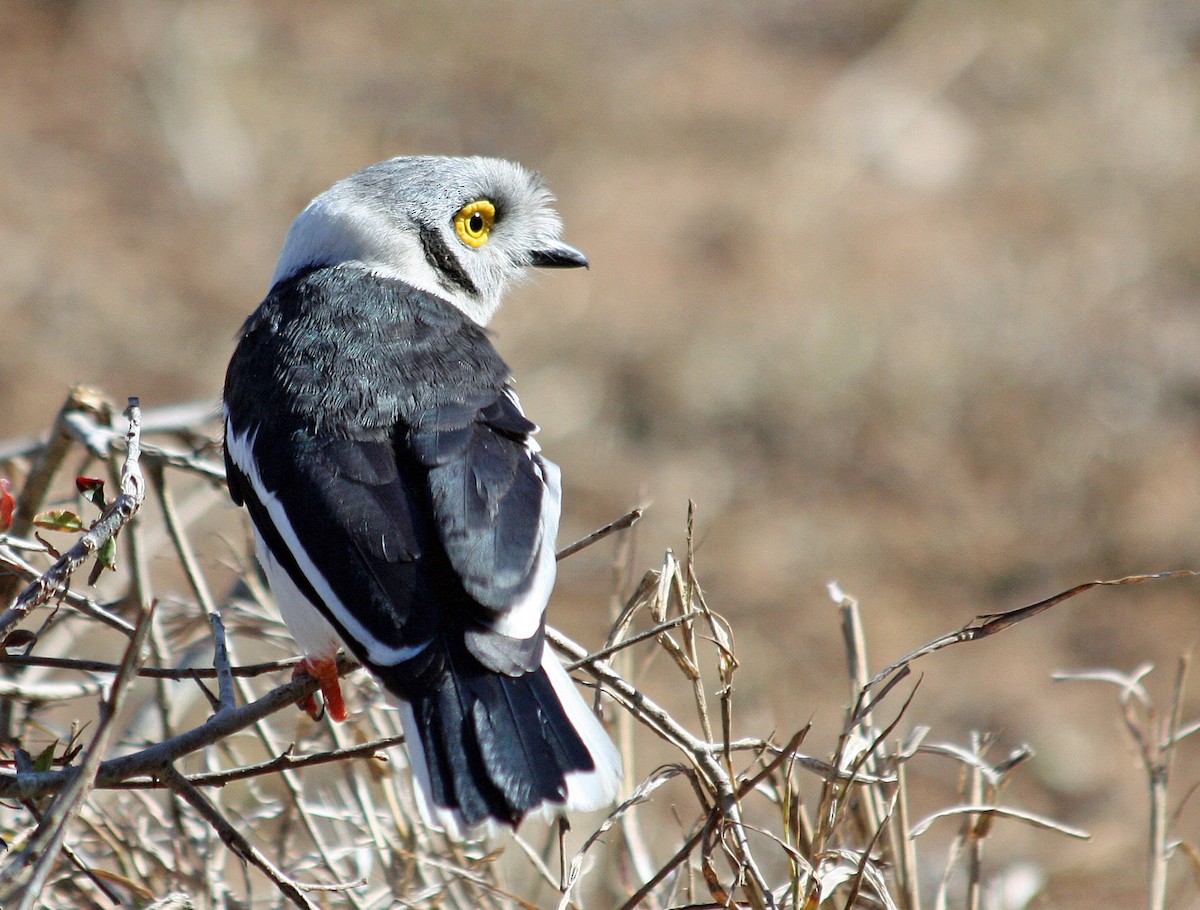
(852, 847)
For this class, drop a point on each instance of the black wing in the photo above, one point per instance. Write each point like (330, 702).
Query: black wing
(489, 489)
(411, 512)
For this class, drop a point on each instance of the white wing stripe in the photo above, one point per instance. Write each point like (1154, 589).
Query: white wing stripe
(241, 451)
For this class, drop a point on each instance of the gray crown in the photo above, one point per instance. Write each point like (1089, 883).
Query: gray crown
(396, 218)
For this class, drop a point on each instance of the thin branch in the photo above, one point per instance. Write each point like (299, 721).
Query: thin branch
(26, 785)
(905, 848)
(1183, 733)
(173, 673)
(628, 520)
(19, 569)
(184, 461)
(233, 839)
(1029, 818)
(1129, 683)
(221, 664)
(652, 632)
(987, 624)
(285, 761)
(1160, 777)
(47, 691)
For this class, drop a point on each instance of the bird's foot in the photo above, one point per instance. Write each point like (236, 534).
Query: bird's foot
(324, 670)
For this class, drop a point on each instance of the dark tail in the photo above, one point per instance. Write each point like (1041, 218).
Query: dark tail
(486, 747)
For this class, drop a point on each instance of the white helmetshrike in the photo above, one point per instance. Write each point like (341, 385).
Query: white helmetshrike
(401, 506)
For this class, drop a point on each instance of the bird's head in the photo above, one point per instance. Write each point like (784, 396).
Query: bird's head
(460, 228)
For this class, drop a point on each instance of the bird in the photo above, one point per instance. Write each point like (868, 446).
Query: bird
(401, 507)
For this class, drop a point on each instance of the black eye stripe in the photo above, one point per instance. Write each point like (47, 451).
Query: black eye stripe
(449, 270)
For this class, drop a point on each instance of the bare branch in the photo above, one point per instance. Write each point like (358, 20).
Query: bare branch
(19, 569)
(987, 624)
(26, 785)
(176, 673)
(47, 691)
(1129, 683)
(221, 663)
(49, 456)
(628, 520)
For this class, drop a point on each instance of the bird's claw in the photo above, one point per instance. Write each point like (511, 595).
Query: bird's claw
(324, 670)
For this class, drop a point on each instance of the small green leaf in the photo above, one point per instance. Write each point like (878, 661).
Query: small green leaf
(58, 520)
(45, 758)
(106, 558)
(107, 554)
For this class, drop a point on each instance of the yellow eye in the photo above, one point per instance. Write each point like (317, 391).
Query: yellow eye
(474, 222)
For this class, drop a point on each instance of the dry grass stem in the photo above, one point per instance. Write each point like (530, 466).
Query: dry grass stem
(193, 781)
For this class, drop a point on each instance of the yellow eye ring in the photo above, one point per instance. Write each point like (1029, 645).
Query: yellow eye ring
(473, 223)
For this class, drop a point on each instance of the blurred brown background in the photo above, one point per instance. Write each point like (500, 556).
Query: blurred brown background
(905, 295)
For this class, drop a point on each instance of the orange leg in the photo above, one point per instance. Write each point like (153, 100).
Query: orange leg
(324, 670)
